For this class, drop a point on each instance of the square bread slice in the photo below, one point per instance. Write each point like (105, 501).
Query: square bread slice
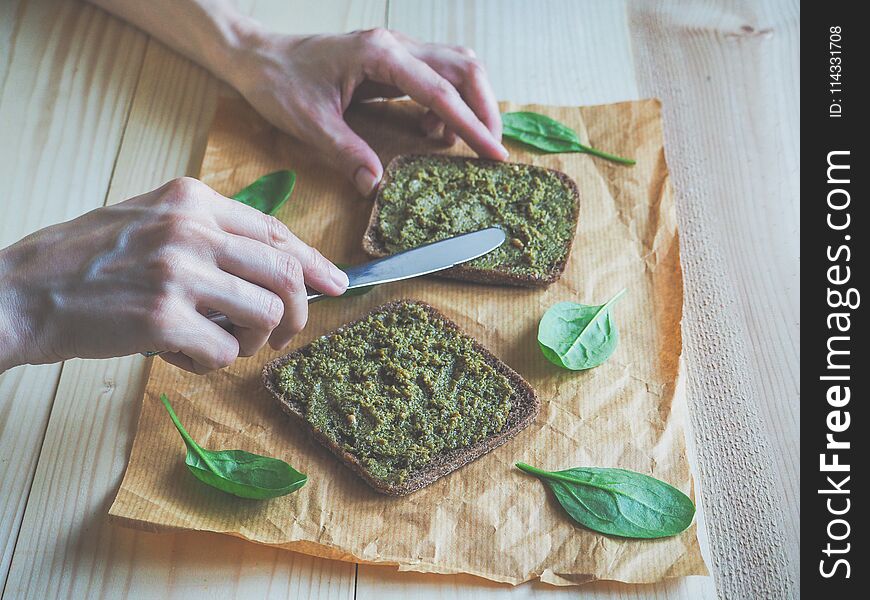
(425, 198)
(402, 396)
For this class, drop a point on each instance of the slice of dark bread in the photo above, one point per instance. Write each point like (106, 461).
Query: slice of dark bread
(374, 244)
(524, 409)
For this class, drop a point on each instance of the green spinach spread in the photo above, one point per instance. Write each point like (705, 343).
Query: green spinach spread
(431, 198)
(397, 389)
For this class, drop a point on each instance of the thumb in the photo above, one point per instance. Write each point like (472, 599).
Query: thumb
(351, 155)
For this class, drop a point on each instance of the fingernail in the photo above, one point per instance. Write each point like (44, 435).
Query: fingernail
(365, 180)
(504, 152)
(339, 277)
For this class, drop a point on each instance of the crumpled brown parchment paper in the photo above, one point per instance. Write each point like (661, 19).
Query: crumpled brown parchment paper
(487, 519)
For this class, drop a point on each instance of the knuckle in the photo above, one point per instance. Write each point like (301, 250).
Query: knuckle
(444, 90)
(289, 274)
(474, 69)
(465, 51)
(316, 261)
(277, 233)
(271, 310)
(182, 190)
(379, 46)
(377, 36)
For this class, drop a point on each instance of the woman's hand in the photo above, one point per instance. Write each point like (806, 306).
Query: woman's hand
(139, 275)
(304, 84)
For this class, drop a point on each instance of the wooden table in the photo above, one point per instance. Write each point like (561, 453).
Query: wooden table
(93, 111)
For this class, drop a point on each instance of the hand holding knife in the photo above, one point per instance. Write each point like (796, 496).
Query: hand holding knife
(423, 260)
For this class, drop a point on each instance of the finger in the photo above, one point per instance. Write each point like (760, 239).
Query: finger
(349, 153)
(432, 125)
(435, 129)
(236, 218)
(250, 340)
(253, 310)
(207, 345)
(280, 272)
(183, 361)
(477, 91)
(179, 360)
(460, 67)
(263, 230)
(394, 65)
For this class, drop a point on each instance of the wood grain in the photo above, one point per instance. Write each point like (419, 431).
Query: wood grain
(385, 583)
(564, 52)
(63, 104)
(728, 77)
(26, 396)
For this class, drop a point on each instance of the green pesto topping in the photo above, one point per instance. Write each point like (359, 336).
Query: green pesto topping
(430, 198)
(397, 389)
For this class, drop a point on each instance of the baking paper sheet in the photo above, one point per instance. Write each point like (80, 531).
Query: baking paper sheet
(487, 519)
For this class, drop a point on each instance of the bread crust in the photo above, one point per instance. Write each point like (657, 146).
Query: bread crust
(375, 248)
(524, 411)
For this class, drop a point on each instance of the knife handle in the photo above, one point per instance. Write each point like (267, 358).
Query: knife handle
(224, 322)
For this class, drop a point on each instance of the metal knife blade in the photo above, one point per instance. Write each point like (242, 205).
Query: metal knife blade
(423, 260)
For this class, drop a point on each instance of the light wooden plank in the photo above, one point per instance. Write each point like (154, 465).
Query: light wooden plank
(63, 102)
(728, 75)
(76, 552)
(386, 583)
(306, 17)
(564, 52)
(26, 395)
(9, 26)
(63, 105)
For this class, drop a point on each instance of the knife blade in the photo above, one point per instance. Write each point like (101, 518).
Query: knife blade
(422, 260)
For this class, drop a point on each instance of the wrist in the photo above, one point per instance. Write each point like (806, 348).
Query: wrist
(255, 56)
(236, 48)
(13, 322)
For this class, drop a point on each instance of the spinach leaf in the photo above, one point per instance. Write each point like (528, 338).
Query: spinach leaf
(578, 336)
(618, 502)
(237, 472)
(269, 192)
(549, 135)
